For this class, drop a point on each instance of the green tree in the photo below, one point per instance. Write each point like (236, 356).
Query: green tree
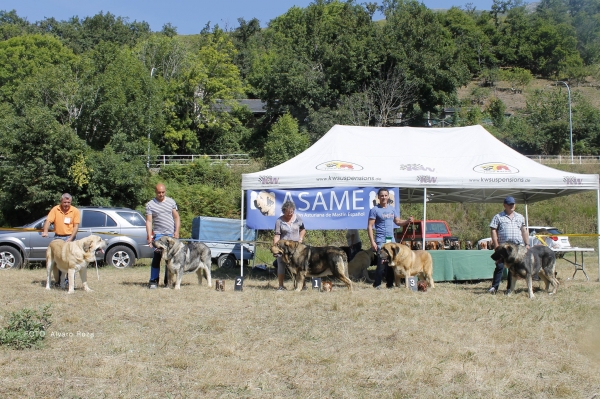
(39, 153)
(416, 42)
(199, 100)
(315, 55)
(496, 109)
(284, 141)
(518, 78)
(24, 56)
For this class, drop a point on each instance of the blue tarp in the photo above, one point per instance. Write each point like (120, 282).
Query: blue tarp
(206, 228)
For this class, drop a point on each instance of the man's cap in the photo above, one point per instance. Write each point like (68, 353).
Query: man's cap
(509, 200)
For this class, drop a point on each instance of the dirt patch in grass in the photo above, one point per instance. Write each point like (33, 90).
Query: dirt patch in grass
(126, 341)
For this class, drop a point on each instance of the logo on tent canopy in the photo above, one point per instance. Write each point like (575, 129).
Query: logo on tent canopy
(338, 165)
(495, 167)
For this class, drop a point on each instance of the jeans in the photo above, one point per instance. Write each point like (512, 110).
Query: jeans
(381, 269)
(498, 276)
(155, 266)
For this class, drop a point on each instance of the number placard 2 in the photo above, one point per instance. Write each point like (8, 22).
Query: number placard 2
(412, 283)
(316, 283)
(239, 284)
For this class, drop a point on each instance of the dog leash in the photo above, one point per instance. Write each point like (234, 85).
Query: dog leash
(97, 273)
(414, 232)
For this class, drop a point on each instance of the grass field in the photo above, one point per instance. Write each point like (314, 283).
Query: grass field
(125, 341)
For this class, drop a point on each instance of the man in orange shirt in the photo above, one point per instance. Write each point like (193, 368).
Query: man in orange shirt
(66, 219)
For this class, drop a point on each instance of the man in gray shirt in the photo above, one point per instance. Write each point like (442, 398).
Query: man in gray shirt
(162, 219)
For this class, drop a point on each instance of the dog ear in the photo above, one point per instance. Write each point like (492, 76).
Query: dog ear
(86, 246)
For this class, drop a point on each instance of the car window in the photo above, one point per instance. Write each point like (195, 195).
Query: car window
(134, 218)
(436, 228)
(96, 219)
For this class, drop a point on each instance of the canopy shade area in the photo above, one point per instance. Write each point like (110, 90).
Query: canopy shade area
(465, 164)
(451, 165)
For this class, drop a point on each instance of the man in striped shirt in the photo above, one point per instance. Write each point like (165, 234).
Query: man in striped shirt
(162, 219)
(507, 226)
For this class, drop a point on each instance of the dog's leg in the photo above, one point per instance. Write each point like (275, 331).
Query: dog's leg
(346, 281)
(429, 279)
(179, 278)
(49, 266)
(544, 278)
(203, 270)
(529, 280)
(83, 275)
(199, 273)
(365, 274)
(300, 281)
(71, 273)
(63, 278)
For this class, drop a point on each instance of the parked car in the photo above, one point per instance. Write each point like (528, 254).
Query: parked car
(437, 230)
(556, 241)
(123, 229)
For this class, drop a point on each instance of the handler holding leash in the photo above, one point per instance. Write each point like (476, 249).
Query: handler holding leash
(288, 226)
(507, 226)
(66, 219)
(382, 218)
(162, 217)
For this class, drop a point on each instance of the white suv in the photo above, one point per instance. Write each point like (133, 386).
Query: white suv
(556, 241)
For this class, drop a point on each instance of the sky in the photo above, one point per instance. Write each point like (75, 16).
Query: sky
(188, 16)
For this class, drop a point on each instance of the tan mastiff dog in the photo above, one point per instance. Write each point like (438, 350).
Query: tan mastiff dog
(407, 263)
(71, 257)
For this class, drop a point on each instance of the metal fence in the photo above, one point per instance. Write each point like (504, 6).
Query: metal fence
(159, 161)
(564, 159)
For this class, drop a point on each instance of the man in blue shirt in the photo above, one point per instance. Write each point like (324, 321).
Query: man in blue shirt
(507, 226)
(382, 219)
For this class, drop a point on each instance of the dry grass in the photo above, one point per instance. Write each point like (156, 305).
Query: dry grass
(453, 341)
(516, 102)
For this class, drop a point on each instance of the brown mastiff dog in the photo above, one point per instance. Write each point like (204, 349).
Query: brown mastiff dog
(407, 263)
(306, 261)
(357, 268)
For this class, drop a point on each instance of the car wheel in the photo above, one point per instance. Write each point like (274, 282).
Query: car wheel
(10, 258)
(226, 261)
(120, 257)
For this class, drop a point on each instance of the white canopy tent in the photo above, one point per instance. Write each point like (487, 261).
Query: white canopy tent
(461, 165)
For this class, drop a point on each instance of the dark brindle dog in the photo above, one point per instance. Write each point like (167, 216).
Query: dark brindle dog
(184, 258)
(306, 261)
(523, 264)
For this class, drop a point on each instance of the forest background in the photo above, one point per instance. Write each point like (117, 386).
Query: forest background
(85, 102)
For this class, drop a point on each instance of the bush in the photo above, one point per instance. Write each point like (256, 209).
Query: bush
(26, 328)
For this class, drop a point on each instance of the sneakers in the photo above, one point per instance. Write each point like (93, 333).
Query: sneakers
(153, 285)
(378, 287)
(492, 291)
(507, 292)
(281, 289)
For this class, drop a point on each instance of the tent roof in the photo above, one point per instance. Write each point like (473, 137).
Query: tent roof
(464, 164)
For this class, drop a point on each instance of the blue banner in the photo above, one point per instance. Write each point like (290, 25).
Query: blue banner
(334, 208)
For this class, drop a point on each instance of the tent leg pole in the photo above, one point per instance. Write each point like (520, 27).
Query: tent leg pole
(598, 228)
(526, 217)
(242, 235)
(424, 233)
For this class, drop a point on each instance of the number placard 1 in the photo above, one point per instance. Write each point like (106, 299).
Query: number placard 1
(316, 283)
(412, 283)
(239, 284)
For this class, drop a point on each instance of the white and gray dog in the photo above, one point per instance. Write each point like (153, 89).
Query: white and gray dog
(184, 258)
(524, 263)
